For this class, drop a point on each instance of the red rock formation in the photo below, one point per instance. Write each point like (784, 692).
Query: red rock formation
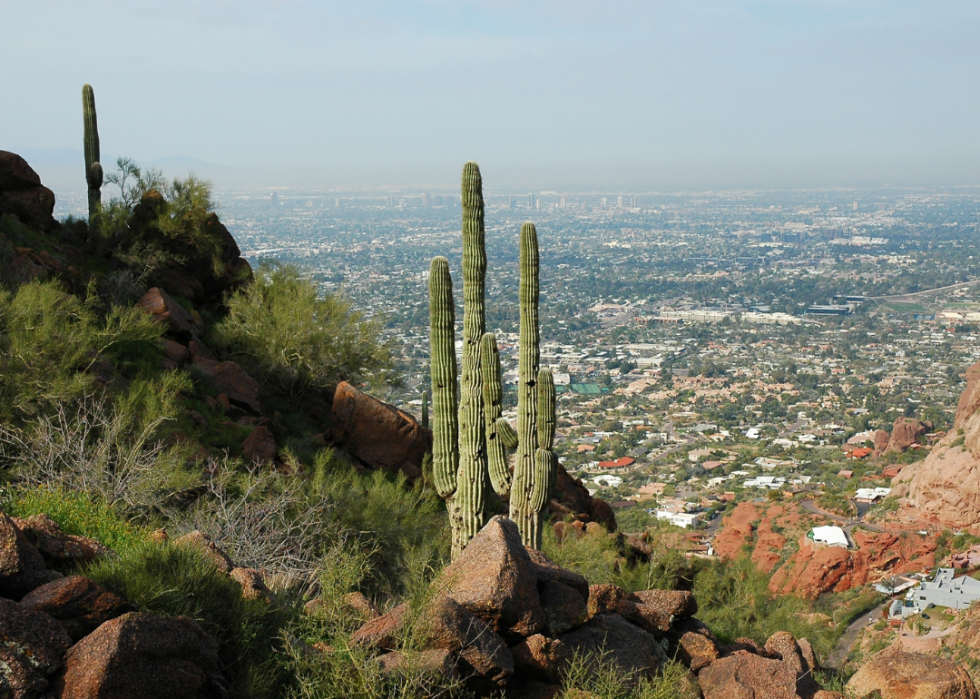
(905, 433)
(736, 530)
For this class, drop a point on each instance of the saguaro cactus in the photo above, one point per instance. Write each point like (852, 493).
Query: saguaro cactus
(93, 168)
(462, 484)
(425, 409)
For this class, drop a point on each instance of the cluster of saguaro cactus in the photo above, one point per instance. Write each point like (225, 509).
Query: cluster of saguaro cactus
(93, 168)
(470, 436)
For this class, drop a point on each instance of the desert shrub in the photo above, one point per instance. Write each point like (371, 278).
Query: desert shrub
(180, 581)
(49, 339)
(734, 600)
(602, 678)
(293, 340)
(111, 452)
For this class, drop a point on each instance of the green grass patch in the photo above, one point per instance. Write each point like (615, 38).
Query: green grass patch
(902, 307)
(76, 514)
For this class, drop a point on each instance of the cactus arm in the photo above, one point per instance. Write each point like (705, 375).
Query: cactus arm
(506, 433)
(546, 409)
(545, 460)
(425, 409)
(493, 395)
(442, 323)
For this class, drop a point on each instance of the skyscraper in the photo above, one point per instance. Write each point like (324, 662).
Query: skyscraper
(530, 200)
(426, 202)
(619, 202)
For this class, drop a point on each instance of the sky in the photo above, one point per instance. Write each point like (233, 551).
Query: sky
(575, 94)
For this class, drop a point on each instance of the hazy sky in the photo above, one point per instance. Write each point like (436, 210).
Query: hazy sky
(686, 93)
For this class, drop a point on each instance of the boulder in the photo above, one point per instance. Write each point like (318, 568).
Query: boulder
(32, 645)
(378, 434)
(170, 314)
(546, 571)
(540, 658)
(260, 446)
(605, 599)
(21, 566)
(881, 441)
(495, 580)
(202, 542)
(693, 644)
(56, 546)
(77, 603)
(648, 617)
(744, 675)
(678, 604)
(899, 675)
(175, 352)
(630, 647)
(382, 633)
(564, 607)
(23, 195)
(252, 584)
(141, 655)
(448, 626)
(229, 379)
(362, 605)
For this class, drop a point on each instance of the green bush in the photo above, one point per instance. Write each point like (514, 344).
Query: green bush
(602, 678)
(180, 581)
(292, 340)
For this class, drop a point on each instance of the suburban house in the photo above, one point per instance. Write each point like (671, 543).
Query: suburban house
(831, 536)
(944, 590)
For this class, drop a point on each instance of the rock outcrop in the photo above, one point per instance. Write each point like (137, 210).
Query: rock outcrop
(32, 646)
(21, 566)
(23, 195)
(905, 433)
(911, 676)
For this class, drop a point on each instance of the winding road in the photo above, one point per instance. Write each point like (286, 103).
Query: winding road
(849, 524)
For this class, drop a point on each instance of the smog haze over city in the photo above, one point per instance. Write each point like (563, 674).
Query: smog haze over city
(573, 94)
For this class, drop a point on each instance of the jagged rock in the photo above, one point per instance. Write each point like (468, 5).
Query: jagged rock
(605, 598)
(542, 658)
(648, 617)
(785, 646)
(141, 655)
(546, 571)
(32, 645)
(78, 603)
(435, 663)
(571, 497)
(744, 675)
(23, 195)
(629, 646)
(202, 542)
(21, 566)
(53, 544)
(881, 440)
(378, 434)
(564, 608)
(898, 675)
(362, 605)
(260, 446)
(167, 312)
(252, 584)
(381, 633)
(495, 580)
(678, 604)
(447, 625)
(231, 380)
(905, 433)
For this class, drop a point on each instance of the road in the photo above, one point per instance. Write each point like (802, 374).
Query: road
(849, 524)
(919, 294)
(838, 656)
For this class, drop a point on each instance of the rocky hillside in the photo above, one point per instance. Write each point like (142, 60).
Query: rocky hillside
(945, 488)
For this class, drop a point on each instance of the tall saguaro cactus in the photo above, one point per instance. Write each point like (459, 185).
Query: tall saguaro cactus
(459, 444)
(93, 168)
